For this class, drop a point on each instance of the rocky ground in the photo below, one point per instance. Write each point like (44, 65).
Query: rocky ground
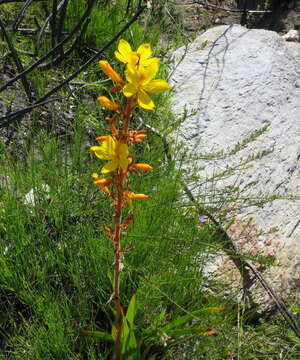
(198, 16)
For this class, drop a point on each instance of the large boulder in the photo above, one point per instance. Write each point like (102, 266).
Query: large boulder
(234, 81)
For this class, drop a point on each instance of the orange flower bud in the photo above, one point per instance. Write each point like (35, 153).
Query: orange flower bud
(116, 88)
(114, 130)
(102, 181)
(101, 138)
(105, 189)
(132, 195)
(109, 71)
(143, 166)
(104, 101)
(139, 138)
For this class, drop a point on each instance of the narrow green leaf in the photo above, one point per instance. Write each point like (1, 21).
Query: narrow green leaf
(101, 335)
(188, 331)
(130, 315)
(129, 343)
(184, 319)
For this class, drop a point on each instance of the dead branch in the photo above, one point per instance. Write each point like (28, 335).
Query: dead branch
(52, 51)
(17, 62)
(11, 117)
(21, 14)
(43, 28)
(53, 23)
(61, 25)
(213, 6)
(17, 115)
(65, 54)
(12, 1)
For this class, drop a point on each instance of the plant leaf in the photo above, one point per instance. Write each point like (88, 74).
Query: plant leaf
(130, 314)
(184, 319)
(101, 335)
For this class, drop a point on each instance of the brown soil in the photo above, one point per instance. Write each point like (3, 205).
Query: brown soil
(197, 17)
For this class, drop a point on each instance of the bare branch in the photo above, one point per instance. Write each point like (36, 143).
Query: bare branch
(13, 116)
(12, 1)
(52, 51)
(94, 57)
(42, 29)
(21, 14)
(17, 62)
(209, 5)
(17, 115)
(63, 55)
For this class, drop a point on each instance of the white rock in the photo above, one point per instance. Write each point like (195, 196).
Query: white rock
(292, 35)
(32, 195)
(235, 81)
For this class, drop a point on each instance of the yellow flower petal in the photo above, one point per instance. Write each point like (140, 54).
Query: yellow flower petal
(148, 62)
(107, 149)
(146, 74)
(125, 53)
(129, 90)
(132, 75)
(144, 52)
(110, 166)
(156, 86)
(124, 48)
(120, 57)
(95, 176)
(145, 101)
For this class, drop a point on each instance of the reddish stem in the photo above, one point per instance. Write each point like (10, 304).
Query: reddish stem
(118, 258)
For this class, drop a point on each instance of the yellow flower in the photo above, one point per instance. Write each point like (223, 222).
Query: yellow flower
(134, 58)
(104, 101)
(109, 71)
(113, 150)
(140, 83)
